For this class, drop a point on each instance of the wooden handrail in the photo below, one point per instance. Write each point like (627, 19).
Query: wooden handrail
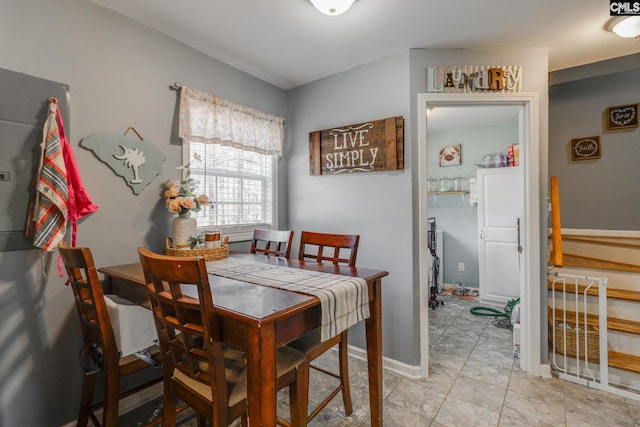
(556, 229)
(572, 260)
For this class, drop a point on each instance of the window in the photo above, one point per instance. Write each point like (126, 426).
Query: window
(240, 185)
(238, 149)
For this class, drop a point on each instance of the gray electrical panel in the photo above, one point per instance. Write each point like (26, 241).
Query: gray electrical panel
(24, 101)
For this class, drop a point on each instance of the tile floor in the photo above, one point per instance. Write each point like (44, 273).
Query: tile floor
(473, 382)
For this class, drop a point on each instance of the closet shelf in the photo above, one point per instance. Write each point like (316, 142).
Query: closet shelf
(435, 194)
(448, 192)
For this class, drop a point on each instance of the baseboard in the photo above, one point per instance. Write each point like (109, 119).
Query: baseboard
(408, 371)
(545, 370)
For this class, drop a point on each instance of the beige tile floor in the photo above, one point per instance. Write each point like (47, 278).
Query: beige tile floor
(473, 381)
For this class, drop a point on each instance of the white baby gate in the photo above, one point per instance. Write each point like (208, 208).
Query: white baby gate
(570, 304)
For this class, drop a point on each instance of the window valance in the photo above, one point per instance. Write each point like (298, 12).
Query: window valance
(210, 119)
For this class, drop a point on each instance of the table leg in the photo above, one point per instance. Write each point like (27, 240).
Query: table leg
(261, 376)
(374, 354)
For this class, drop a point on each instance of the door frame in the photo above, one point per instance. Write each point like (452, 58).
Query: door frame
(530, 296)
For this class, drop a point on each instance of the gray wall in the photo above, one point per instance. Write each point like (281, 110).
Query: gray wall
(375, 205)
(381, 206)
(596, 194)
(119, 73)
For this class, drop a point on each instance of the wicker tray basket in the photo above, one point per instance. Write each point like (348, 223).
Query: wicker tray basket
(593, 342)
(209, 254)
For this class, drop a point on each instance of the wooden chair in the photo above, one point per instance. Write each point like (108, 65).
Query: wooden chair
(198, 367)
(99, 351)
(312, 246)
(263, 240)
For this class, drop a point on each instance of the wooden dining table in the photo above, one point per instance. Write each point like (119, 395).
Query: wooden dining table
(259, 319)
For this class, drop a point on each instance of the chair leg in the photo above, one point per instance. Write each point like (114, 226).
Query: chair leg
(169, 403)
(111, 400)
(344, 373)
(88, 388)
(299, 395)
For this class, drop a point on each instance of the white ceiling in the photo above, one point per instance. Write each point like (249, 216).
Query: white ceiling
(288, 43)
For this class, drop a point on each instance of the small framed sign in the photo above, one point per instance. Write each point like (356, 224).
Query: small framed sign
(622, 117)
(585, 148)
(450, 155)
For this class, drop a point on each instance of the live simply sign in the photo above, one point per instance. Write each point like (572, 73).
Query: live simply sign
(474, 78)
(364, 147)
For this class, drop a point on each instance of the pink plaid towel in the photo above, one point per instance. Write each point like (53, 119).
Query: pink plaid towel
(51, 203)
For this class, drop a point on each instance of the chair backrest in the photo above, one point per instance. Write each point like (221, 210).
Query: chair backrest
(100, 345)
(312, 246)
(272, 242)
(188, 329)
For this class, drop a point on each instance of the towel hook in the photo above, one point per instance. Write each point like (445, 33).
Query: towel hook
(53, 100)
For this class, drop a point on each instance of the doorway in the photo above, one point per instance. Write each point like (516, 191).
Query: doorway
(529, 275)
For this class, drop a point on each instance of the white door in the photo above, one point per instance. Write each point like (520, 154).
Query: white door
(499, 214)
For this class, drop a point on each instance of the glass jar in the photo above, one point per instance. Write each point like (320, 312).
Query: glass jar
(445, 184)
(459, 183)
(432, 184)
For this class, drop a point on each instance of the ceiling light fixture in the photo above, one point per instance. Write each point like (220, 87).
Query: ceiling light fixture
(624, 26)
(332, 7)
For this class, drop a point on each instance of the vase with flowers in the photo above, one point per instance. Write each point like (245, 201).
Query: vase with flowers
(180, 199)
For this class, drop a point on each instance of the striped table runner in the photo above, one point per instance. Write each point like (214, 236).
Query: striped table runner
(344, 300)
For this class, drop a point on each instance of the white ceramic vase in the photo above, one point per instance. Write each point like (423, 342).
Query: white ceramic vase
(184, 227)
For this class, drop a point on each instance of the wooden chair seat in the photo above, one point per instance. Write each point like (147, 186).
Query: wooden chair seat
(236, 375)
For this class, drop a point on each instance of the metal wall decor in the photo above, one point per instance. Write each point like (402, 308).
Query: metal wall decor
(137, 161)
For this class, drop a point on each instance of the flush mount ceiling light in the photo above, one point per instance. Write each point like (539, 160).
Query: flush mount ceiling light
(624, 26)
(332, 7)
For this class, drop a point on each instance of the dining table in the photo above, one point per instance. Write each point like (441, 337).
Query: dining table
(259, 319)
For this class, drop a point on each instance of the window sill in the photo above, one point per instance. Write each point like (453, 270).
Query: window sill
(240, 237)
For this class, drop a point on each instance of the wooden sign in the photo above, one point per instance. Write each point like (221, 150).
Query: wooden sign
(585, 148)
(363, 147)
(622, 117)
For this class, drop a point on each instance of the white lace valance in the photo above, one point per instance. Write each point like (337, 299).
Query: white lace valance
(211, 119)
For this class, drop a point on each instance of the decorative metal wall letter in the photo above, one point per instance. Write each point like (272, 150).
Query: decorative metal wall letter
(474, 78)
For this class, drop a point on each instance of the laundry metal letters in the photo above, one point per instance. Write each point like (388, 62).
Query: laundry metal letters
(364, 147)
(469, 78)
